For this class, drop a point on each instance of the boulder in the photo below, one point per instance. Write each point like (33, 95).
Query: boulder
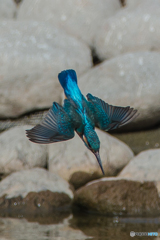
(34, 190)
(32, 55)
(136, 3)
(116, 196)
(143, 167)
(80, 18)
(8, 9)
(75, 163)
(131, 29)
(18, 153)
(132, 80)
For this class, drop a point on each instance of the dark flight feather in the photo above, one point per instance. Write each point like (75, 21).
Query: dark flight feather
(55, 127)
(115, 116)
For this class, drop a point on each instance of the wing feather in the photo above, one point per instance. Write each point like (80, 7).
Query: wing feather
(110, 117)
(55, 127)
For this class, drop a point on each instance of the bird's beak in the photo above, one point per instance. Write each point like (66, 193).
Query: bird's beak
(99, 161)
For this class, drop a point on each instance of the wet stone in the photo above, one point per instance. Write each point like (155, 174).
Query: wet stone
(119, 197)
(34, 190)
(35, 202)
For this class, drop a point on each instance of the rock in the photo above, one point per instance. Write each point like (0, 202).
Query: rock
(71, 158)
(128, 80)
(130, 30)
(136, 3)
(18, 153)
(35, 203)
(32, 55)
(113, 196)
(8, 9)
(80, 18)
(22, 229)
(33, 189)
(143, 167)
(33, 180)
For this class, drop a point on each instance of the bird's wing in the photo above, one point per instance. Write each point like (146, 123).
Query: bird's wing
(55, 127)
(110, 117)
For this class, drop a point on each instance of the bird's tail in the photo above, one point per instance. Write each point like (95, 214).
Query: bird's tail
(66, 77)
(68, 80)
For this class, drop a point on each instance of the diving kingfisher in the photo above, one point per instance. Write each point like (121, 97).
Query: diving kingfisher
(79, 115)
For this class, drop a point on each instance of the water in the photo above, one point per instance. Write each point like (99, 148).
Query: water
(75, 226)
(141, 140)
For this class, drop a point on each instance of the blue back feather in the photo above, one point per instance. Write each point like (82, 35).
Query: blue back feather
(68, 80)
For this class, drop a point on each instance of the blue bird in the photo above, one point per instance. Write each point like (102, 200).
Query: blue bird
(79, 115)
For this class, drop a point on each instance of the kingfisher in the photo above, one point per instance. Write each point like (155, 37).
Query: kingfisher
(81, 115)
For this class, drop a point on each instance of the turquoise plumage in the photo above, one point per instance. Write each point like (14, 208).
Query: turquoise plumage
(79, 115)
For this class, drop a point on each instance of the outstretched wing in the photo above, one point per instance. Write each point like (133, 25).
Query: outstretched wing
(55, 127)
(109, 117)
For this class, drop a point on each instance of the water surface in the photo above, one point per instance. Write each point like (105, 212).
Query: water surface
(75, 226)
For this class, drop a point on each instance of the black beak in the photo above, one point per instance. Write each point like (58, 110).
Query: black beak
(99, 161)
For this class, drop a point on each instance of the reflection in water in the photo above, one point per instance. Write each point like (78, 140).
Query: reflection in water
(18, 229)
(75, 226)
(106, 228)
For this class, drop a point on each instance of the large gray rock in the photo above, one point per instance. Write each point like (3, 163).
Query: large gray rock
(114, 196)
(81, 18)
(33, 180)
(32, 55)
(18, 153)
(8, 9)
(34, 191)
(143, 167)
(72, 157)
(136, 3)
(128, 80)
(132, 29)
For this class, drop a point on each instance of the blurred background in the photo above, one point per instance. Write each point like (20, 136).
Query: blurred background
(57, 191)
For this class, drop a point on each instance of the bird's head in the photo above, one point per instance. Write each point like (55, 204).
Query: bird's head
(92, 142)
